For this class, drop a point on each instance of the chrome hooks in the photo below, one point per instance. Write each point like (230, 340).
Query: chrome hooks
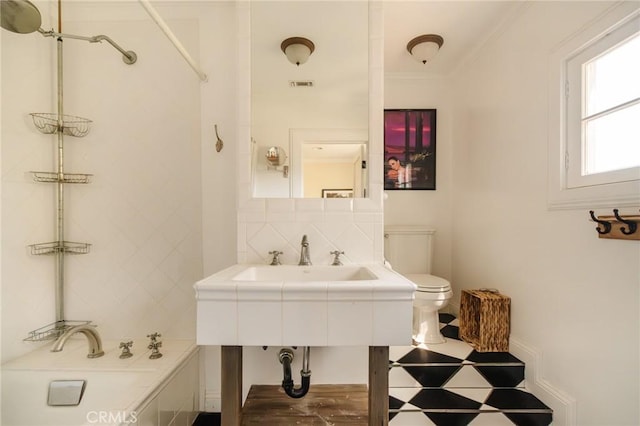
(632, 226)
(606, 226)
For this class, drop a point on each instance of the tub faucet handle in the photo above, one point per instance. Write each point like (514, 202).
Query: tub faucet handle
(154, 345)
(154, 336)
(126, 349)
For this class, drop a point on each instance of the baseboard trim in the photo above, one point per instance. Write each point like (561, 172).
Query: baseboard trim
(212, 401)
(563, 405)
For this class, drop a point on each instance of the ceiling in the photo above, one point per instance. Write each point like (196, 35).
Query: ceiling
(339, 31)
(464, 25)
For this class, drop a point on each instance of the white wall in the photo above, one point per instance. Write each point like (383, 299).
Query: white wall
(141, 213)
(432, 208)
(575, 298)
(336, 175)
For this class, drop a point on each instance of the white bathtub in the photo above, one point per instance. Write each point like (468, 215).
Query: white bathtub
(134, 391)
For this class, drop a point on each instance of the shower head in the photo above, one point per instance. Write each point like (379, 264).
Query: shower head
(19, 16)
(23, 17)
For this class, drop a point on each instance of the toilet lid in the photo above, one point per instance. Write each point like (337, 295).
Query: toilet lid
(429, 283)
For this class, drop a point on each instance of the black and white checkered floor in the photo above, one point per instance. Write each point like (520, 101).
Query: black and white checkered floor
(451, 384)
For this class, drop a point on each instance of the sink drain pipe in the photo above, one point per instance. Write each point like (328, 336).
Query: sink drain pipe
(286, 357)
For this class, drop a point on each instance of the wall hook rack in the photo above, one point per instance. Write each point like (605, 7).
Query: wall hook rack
(616, 226)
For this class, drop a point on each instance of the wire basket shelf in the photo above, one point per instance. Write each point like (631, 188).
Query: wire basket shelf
(69, 125)
(52, 331)
(53, 247)
(63, 177)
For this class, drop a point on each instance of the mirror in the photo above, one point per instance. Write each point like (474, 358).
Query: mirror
(319, 110)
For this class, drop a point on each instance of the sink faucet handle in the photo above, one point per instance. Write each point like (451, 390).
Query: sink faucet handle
(276, 257)
(336, 259)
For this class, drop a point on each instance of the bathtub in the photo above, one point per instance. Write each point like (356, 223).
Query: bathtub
(134, 391)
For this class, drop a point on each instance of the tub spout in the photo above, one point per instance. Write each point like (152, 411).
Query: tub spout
(90, 332)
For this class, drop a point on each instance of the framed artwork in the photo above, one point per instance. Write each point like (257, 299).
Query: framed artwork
(410, 149)
(337, 193)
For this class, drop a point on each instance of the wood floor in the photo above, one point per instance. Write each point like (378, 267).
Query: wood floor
(323, 405)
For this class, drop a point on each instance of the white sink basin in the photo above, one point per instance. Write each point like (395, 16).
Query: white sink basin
(290, 305)
(305, 273)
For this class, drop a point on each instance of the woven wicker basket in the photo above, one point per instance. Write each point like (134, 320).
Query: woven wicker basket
(484, 320)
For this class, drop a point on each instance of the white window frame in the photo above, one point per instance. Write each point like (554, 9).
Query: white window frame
(565, 152)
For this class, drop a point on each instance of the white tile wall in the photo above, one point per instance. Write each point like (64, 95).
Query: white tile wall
(142, 211)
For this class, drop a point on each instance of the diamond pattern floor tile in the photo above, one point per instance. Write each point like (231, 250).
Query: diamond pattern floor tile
(514, 399)
(442, 398)
(409, 419)
(468, 377)
(456, 385)
(491, 419)
(451, 419)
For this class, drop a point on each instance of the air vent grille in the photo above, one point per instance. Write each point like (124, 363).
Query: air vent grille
(308, 83)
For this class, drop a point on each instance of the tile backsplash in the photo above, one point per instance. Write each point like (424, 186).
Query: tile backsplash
(336, 225)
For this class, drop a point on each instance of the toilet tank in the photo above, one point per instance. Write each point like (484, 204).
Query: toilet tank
(408, 248)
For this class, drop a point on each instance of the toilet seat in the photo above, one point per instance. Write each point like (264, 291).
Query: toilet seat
(429, 283)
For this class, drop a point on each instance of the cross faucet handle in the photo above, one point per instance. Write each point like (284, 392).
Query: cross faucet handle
(126, 349)
(154, 337)
(336, 259)
(276, 257)
(154, 345)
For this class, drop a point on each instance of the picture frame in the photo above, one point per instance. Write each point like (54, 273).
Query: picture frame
(410, 149)
(337, 193)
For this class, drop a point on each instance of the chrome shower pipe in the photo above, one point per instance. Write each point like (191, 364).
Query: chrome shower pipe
(128, 56)
(59, 295)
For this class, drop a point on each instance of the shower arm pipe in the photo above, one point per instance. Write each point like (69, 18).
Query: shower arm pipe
(167, 31)
(129, 56)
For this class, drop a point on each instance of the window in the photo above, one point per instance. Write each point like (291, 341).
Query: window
(597, 133)
(603, 109)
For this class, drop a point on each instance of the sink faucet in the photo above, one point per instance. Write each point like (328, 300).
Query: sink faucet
(90, 332)
(305, 260)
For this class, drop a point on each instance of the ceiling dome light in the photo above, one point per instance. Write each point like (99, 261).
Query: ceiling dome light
(423, 48)
(297, 49)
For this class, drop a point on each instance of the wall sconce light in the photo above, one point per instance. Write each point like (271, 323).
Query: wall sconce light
(297, 49)
(276, 157)
(423, 48)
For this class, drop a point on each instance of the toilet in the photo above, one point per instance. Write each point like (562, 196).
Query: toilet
(408, 250)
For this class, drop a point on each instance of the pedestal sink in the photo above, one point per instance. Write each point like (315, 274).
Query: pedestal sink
(262, 305)
(286, 305)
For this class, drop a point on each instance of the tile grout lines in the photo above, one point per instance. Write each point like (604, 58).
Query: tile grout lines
(452, 384)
